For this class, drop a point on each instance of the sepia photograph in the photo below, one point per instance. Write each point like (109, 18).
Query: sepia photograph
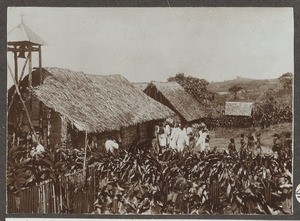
(150, 111)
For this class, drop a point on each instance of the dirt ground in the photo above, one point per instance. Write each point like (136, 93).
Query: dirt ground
(221, 136)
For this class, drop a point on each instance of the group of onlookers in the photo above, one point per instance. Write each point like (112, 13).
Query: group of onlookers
(251, 143)
(178, 137)
(172, 136)
(197, 137)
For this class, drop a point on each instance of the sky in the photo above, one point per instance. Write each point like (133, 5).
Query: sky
(145, 44)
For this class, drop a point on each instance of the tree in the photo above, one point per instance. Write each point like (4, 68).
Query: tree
(235, 89)
(194, 86)
(286, 81)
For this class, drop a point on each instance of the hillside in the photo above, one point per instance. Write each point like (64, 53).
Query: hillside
(247, 83)
(253, 89)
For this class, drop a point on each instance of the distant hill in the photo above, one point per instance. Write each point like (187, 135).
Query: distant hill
(247, 83)
(254, 90)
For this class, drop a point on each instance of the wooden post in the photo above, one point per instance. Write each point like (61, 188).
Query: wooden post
(40, 63)
(54, 198)
(30, 68)
(30, 81)
(22, 101)
(21, 76)
(16, 63)
(84, 160)
(40, 74)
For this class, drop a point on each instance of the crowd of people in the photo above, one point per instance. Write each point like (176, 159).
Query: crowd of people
(180, 138)
(196, 138)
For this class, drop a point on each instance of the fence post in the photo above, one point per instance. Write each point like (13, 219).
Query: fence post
(54, 197)
(44, 201)
(60, 194)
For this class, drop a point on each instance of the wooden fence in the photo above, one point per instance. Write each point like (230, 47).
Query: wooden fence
(71, 194)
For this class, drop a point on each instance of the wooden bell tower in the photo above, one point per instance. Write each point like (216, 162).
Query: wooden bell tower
(23, 42)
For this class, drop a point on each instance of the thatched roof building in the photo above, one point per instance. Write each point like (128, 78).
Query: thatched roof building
(239, 109)
(97, 103)
(66, 105)
(176, 98)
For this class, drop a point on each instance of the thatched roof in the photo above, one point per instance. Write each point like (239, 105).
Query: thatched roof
(141, 85)
(184, 103)
(97, 103)
(238, 108)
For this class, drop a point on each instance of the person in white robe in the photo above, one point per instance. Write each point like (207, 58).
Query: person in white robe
(168, 133)
(200, 145)
(162, 137)
(189, 130)
(111, 145)
(174, 137)
(183, 140)
(204, 135)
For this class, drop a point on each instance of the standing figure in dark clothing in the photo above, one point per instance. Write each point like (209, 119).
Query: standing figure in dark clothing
(288, 145)
(277, 145)
(231, 147)
(243, 151)
(250, 144)
(258, 144)
(242, 140)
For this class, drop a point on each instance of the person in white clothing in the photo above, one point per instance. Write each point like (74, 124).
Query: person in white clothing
(111, 145)
(174, 137)
(162, 137)
(168, 133)
(189, 130)
(183, 140)
(203, 137)
(37, 149)
(201, 140)
(40, 148)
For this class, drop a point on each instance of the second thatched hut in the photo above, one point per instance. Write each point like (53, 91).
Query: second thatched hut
(174, 96)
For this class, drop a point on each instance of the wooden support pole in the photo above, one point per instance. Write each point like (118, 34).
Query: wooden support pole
(40, 63)
(29, 69)
(40, 74)
(30, 80)
(85, 153)
(18, 82)
(22, 101)
(16, 64)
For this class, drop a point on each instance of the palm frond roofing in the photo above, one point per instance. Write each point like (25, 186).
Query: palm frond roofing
(97, 103)
(183, 102)
(238, 108)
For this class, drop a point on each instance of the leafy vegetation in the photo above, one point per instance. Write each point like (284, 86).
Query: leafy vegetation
(25, 169)
(141, 181)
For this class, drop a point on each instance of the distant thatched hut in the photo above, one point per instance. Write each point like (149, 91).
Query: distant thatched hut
(66, 104)
(173, 95)
(238, 114)
(239, 109)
